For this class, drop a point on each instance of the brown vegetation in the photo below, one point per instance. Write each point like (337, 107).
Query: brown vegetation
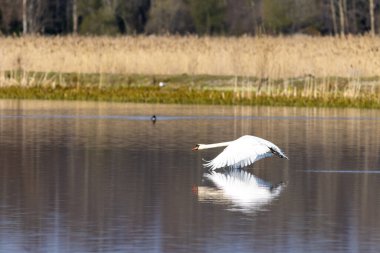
(292, 71)
(261, 57)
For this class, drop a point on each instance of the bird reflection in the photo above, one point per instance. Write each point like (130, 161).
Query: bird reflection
(242, 190)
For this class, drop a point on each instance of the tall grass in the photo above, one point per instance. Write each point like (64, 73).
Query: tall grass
(297, 70)
(262, 57)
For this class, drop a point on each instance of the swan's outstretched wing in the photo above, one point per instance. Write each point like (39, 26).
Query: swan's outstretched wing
(241, 153)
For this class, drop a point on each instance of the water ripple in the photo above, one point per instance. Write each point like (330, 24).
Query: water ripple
(174, 118)
(343, 171)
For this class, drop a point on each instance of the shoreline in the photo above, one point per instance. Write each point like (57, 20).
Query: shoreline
(305, 91)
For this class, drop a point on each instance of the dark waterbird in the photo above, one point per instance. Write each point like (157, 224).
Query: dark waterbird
(153, 119)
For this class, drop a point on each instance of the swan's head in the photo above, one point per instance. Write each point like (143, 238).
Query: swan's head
(196, 147)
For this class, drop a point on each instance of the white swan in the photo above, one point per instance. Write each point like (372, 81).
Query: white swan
(241, 152)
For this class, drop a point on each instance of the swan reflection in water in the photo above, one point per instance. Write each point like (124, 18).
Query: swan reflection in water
(242, 190)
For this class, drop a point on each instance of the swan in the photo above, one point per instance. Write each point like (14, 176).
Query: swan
(241, 152)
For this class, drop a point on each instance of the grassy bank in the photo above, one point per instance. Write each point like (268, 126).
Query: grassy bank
(185, 89)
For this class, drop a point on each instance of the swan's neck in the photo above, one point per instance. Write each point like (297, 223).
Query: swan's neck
(214, 145)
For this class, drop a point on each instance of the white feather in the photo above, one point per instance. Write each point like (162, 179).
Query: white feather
(242, 152)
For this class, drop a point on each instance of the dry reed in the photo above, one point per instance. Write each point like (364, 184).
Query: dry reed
(262, 57)
(297, 70)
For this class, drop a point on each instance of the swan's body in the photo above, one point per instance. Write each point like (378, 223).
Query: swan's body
(241, 152)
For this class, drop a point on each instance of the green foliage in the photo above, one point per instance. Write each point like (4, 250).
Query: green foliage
(184, 89)
(179, 95)
(277, 15)
(133, 14)
(99, 22)
(208, 16)
(231, 17)
(169, 16)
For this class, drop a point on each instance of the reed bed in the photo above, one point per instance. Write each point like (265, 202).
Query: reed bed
(262, 57)
(297, 70)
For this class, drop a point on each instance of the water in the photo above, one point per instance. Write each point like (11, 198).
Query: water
(100, 177)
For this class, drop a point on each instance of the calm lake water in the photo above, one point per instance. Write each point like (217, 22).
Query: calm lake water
(100, 177)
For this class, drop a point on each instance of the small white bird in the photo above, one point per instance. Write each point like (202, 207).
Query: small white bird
(241, 152)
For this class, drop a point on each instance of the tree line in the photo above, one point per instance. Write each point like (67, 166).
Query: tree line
(202, 17)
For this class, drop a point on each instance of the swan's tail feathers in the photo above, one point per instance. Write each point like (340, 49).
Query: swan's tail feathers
(278, 152)
(283, 155)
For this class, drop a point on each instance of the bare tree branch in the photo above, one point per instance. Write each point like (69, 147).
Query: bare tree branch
(341, 17)
(372, 16)
(24, 17)
(333, 16)
(75, 17)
